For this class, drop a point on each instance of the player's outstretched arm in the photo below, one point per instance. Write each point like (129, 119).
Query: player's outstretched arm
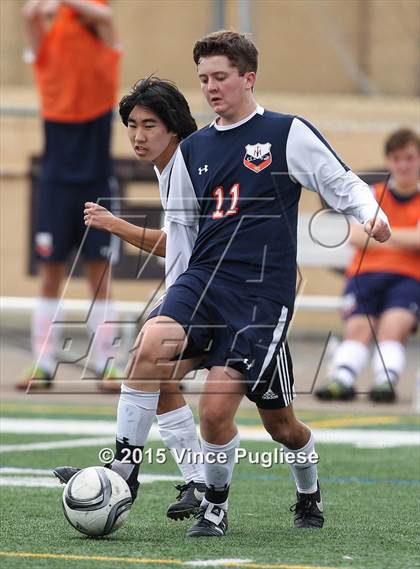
(314, 164)
(149, 240)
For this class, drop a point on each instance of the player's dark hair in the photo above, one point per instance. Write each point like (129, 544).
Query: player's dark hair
(237, 47)
(400, 138)
(163, 98)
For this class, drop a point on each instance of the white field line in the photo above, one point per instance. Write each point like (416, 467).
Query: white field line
(44, 478)
(29, 482)
(57, 427)
(361, 438)
(72, 443)
(28, 471)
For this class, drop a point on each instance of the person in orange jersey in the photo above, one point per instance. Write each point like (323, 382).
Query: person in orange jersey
(74, 48)
(382, 295)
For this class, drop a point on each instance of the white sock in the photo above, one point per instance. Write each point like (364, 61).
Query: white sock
(102, 321)
(218, 475)
(44, 335)
(349, 359)
(135, 414)
(178, 432)
(388, 363)
(306, 473)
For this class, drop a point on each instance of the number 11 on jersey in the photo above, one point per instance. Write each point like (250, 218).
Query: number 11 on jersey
(219, 196)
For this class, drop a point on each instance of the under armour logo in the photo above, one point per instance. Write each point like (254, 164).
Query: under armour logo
(203, 170)
(248, 364)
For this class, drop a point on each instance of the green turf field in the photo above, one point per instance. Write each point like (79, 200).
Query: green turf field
(371, 499)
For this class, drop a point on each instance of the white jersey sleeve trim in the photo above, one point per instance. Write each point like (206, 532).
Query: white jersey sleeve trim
(182, 205)
(314, 165)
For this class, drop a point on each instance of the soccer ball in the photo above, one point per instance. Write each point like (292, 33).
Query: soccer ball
(96, 501)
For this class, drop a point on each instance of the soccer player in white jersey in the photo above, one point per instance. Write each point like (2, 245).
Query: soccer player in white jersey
(157, 117)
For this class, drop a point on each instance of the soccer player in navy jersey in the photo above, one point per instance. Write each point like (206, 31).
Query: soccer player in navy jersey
(232, 206)
(231, 232)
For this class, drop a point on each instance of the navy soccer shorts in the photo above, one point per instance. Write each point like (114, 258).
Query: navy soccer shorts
(373, 293)
(60, 227)
(226, 327)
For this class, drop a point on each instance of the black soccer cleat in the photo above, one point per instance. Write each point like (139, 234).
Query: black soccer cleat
(188, 500)
(212, 522)
(334, 390)
(308, 510)
(66, 473)
(383, 393)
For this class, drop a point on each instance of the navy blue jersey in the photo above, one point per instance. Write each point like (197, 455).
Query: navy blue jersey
(237, 189)
(247, 225)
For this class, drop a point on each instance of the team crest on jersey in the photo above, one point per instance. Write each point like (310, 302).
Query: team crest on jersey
(258, 156)
(44, 244)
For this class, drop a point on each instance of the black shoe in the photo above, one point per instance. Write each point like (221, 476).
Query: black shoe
(383, 393)
(308, 510)
(334, 390)
(65, 473)
(188, 500)
(212, 521)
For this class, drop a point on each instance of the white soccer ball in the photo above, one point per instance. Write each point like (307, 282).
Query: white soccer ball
(96, 501)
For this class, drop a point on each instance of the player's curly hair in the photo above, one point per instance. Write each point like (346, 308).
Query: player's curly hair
(164, 99)
(237, 47)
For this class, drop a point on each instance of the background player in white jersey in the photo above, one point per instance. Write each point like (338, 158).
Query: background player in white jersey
(157, 118)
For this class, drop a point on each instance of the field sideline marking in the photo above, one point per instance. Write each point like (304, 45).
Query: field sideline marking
(360, 438)
(72, 443)
(44, 478)
(142, 561)
(108, 410)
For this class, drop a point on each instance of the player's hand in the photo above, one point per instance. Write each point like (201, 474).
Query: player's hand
(98, 217)
(378, 229)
